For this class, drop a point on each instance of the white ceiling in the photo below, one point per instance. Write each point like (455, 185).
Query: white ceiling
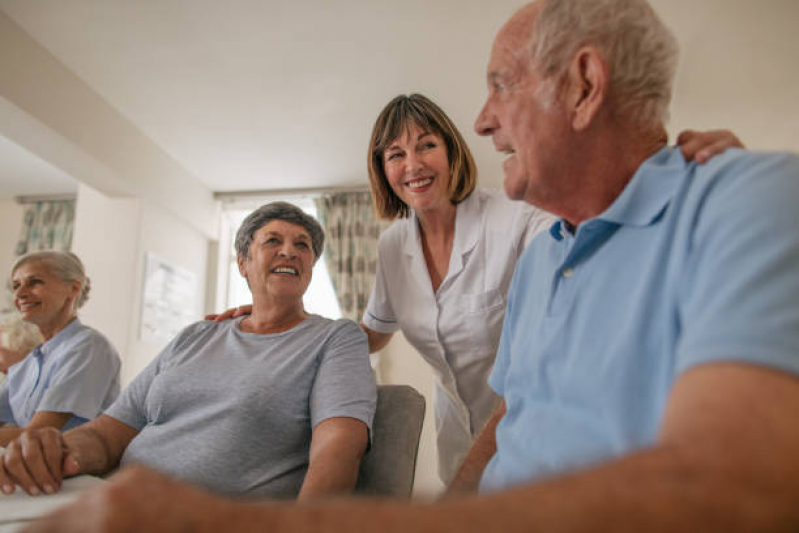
(273, 94)
(24, 174)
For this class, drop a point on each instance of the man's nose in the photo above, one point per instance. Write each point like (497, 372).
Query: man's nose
(486, 122)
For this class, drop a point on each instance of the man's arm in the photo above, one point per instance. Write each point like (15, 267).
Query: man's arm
(42, 419)
(38, 460)
(726, 461)
(337, 447)
(483, 449)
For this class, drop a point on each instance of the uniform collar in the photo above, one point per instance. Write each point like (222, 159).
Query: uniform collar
(60, 337)
(467, 226)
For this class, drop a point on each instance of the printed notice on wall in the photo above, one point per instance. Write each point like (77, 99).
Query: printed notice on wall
(168, 304)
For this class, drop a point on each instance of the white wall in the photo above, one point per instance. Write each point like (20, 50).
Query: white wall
(105, 238)
(173, 240)
(112, 237)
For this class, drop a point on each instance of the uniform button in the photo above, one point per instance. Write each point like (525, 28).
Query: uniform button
(569, 272)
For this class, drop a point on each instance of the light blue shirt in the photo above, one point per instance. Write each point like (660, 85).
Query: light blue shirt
(690, 265)
(77, 371)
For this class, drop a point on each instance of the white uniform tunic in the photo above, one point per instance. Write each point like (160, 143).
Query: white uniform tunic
(457, 328)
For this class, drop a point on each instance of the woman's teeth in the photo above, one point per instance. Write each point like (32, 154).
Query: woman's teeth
(421, 183)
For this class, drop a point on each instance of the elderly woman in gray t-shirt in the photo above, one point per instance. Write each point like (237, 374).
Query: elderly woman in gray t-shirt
(276, 404)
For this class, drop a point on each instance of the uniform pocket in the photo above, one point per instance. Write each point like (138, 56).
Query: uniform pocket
(483, 314)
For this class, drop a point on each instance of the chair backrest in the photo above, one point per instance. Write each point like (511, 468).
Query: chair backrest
(388, 467)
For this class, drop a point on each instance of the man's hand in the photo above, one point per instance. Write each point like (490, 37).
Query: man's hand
(137, 499)
(231, 313)
(701, 146)
(37, 461)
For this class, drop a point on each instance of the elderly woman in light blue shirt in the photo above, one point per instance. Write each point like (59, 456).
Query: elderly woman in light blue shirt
(74, 374)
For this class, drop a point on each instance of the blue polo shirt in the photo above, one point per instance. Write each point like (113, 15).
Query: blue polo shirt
(77, 371)
(690, 265)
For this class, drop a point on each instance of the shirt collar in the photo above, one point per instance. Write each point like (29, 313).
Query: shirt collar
(649, 191)
(48, 347)
(644, 198)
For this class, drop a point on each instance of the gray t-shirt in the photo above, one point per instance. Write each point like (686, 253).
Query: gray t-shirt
(233, 411)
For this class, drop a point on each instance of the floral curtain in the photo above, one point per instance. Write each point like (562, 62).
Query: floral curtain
(46, 225)
(351, 232)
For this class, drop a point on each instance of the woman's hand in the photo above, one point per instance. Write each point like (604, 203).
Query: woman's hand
(37, 461)
(702, 146)
(231, 313)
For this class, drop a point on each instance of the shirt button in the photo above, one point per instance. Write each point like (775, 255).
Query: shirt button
(569, 272)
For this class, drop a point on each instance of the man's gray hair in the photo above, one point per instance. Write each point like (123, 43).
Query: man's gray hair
(641, 51)
(65, 266)
(278, 211)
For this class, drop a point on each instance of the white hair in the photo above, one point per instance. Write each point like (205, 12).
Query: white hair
(17, 335)
(640, 50)
(66, 266)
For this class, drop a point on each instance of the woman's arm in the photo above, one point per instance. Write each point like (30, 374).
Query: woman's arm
(38, 460)
(702, 146)
(42, 419)
(337, 447)
(231, 313)
(377, 340)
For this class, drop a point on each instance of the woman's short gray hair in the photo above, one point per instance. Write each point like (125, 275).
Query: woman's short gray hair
(640, 50)
(65, 266)
(278, 211)
(17, 335)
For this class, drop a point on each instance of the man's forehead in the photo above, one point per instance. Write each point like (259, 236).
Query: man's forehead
(513, 38)
(519, 27)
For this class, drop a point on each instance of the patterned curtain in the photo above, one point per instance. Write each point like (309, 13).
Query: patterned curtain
(46, 225)
(351, 232)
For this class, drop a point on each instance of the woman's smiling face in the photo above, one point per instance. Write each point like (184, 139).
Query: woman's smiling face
(39, 296)
(280, 260)
(417, 167)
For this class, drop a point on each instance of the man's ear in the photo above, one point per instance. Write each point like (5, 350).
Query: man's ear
(588, 82)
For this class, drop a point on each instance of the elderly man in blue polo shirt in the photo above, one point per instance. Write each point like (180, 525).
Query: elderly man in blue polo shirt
(650, 350)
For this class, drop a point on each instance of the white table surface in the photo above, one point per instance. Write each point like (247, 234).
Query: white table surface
(18, 508)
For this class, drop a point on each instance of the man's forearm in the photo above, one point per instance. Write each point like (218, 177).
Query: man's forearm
(652, 491)
(481, 452)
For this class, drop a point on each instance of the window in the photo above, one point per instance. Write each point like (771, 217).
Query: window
(320, 298)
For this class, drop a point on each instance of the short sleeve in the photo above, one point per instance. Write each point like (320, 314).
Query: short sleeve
(379, 315)
(740, 291)
(344, 385)
(6, 416)
(131, 408)
(85, 377)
